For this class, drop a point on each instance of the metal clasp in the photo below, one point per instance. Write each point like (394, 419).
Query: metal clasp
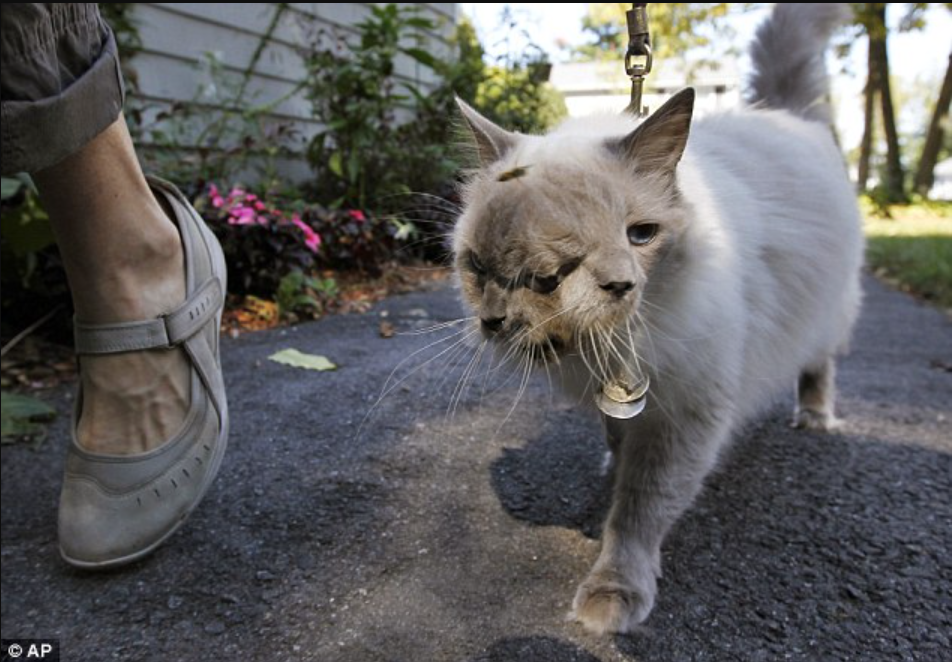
(638, 58)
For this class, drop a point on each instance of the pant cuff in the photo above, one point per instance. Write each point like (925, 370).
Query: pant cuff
(38, 134)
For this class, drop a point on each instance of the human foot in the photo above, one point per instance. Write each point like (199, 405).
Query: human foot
(134, 401)
(124, 260)
(117, 508)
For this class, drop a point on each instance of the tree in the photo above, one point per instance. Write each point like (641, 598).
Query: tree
(935, 135)
(895, 175)
(872, 17)
(676, 27)
(869, 118)
(871, 20)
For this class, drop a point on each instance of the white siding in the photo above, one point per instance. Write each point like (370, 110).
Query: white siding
(176, 36)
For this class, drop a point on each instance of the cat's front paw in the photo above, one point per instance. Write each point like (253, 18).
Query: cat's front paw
(606, 602)
(817, 421)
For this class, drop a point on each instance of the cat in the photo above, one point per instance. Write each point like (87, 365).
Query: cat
(721, 257)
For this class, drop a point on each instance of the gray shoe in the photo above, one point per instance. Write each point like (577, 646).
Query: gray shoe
(115, 509)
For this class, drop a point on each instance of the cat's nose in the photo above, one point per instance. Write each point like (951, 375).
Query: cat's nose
(493, 324)
(619, 288)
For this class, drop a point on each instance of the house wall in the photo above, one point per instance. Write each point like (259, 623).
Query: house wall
(176, 37)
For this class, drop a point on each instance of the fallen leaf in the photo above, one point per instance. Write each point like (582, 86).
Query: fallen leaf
(298, 359)
(255, 314)
(386, 330)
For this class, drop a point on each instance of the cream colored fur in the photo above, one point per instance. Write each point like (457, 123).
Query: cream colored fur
(751, 284)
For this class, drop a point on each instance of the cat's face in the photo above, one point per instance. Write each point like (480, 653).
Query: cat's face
(561, 235)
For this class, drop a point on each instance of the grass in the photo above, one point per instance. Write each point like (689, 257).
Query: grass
(913, 250)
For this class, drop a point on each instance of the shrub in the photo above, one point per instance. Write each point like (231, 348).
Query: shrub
(262, 243)
(515, 92)
(33, 279)
(300, 295)
(385, 137)
(266, 238)
(519, 98)
(356, 95)
(354, 239)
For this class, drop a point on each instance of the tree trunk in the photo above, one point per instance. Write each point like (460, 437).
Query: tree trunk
(895, 177)
(930, 152)
(869, 122)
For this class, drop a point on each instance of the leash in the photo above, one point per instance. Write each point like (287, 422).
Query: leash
(638, 57)
(625, 396)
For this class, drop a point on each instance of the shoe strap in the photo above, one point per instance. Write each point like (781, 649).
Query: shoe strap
(165, 332)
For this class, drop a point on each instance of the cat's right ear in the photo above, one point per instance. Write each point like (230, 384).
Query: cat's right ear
(658, 143)
(492, 142)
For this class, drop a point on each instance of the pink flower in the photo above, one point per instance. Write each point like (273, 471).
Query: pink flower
(259, 206)
(357, 215)
(241, 215)
(217, 201)
(311, 239)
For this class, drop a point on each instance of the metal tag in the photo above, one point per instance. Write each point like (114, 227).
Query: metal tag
(620, 400)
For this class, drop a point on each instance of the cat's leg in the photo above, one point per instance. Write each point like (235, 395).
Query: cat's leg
(816, 395)
(609, 459)
(659, 470)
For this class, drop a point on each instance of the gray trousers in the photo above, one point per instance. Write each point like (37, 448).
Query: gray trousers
(60, 83)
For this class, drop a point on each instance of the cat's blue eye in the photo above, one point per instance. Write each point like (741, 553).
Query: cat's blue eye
(642, 234)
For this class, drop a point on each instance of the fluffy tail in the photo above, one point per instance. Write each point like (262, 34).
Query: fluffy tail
(788, 56)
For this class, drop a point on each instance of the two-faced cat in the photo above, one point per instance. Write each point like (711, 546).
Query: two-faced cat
(724, 265)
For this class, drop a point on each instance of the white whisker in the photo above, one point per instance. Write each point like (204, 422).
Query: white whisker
(436, 327)
(389, 387)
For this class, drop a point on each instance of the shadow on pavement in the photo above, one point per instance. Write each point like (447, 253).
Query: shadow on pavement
(556, 479)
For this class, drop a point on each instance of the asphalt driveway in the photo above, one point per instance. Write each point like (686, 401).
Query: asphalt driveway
(440, 533)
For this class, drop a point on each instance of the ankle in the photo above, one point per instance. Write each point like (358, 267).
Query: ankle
(142, 278)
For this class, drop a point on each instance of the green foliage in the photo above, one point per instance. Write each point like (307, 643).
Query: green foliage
(25, 224)
(31, 273)
(384, 137)
(913, 248)
(222, 131)
(119, 16)
(360, 156)
(262, 240)
(352, 239)
(468, 69)
(426, 145)
(519, 98)
(676, 27)
(300, 295)
(514, 92)
(878, 201)
(23, 418)
(266, 239)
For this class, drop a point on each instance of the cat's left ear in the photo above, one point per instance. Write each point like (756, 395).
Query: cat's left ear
(658, 143)
(492, 142)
